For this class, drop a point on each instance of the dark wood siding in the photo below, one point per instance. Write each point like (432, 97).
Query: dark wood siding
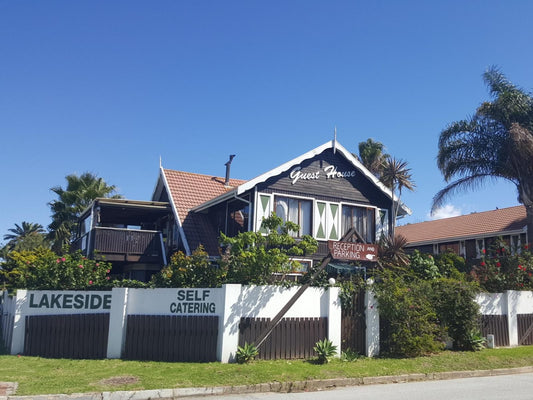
(498, 326)
(292, 338)
(67, 336)
(171, 338)
(525, 329)
(357, 189)
(353, 325)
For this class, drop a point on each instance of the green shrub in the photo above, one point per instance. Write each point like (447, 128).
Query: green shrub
(42, 269)
(475, 341)
(247, 353)
(457, 310)
(195, 270)
(408, 313)
(423, 265)
(451, 265)
(324, 350)
(350, 355)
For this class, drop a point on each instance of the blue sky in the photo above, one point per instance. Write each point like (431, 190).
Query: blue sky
(109, 87)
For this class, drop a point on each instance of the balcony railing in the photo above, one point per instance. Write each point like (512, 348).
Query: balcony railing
(116, 244)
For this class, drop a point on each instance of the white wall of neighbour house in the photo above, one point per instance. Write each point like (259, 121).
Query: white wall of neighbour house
(510, 303)
(229, 303)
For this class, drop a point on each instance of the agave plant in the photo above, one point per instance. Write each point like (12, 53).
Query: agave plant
(325, 350)
(246, 353)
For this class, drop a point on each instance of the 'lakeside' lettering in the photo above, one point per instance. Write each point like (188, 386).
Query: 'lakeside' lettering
(70, 301)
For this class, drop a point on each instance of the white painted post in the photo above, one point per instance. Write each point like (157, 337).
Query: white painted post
(228, 323)
(334, 317)
(19, 323)
(372, 324)
(511, 297)
(116, 338)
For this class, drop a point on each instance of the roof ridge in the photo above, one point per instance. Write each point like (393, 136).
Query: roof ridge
(204, 175)
(477, 213)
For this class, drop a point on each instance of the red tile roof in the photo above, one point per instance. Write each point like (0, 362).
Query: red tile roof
(189, 190)
(465, 226)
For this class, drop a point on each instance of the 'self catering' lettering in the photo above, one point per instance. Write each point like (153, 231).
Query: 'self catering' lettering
(81, 301)
(330, 171)
(193, 301)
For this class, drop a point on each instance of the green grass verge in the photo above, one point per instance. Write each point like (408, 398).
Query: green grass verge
(51, 376)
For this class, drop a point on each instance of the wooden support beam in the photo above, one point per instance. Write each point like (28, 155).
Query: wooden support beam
(275, 321)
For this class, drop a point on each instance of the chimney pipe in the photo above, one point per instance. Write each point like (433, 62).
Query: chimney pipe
(228, 164)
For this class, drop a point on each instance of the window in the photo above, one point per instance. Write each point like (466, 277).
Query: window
(516, 245)
(480, 248)
(297, 211)
(362, 219)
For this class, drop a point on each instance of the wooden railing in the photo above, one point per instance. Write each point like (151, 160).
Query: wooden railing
(122, 244)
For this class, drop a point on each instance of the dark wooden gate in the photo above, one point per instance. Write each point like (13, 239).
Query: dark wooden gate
(171, 338)
(498, 326)
(292, 338)
(525, 329)
(353, 334)
(67, 336)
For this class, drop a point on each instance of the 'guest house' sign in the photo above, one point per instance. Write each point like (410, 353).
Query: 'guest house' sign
(330, 172)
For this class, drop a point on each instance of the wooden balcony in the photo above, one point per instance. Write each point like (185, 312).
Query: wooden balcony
(125, 245)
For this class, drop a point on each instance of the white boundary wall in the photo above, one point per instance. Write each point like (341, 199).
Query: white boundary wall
(510, 303)
(230, 303)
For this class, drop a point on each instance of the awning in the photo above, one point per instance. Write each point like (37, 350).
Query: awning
(346, 269)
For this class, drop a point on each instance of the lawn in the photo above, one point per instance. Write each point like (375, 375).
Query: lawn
(49, 376)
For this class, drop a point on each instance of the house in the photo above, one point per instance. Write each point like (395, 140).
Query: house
(469, 236)
(326, 191)
(130, 234)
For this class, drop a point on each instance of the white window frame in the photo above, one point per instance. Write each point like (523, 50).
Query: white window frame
(311, 199)
(376, 210)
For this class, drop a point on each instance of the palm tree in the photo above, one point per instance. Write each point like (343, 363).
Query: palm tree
(72, 201)
(25, 235)
(396, 176)
(372, 156)
(496, 142)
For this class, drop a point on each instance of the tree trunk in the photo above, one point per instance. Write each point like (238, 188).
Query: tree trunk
(529, 220)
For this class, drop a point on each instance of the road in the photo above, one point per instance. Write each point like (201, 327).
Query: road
(515, 387)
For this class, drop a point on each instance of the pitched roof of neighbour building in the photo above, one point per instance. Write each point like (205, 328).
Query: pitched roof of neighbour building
(479, 224)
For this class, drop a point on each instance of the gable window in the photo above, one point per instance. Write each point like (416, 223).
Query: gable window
(297, 211)
(362, 219)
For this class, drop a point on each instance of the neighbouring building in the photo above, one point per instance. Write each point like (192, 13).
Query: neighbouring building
(326, 191)
(470, 236)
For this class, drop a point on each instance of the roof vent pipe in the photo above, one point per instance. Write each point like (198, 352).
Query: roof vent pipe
(228, 164)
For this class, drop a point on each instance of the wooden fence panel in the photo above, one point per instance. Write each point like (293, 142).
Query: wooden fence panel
(353, 325)
(67, 336)
(525, 329)
(498, 326)
(171, 338)
(292, 338)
